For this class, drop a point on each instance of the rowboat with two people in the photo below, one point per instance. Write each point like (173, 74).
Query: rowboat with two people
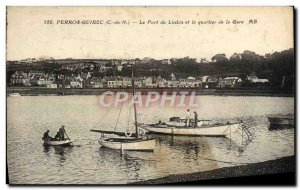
(58, 140)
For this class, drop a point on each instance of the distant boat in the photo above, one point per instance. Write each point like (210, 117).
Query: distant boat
(137, 141)
(281, 122)
(67, 142)
(176, 126)
(14, 94)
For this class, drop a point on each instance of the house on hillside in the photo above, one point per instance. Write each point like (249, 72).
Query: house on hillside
(165, 62)
(148, 82)
(209, 82)
(42, 81)
(126, 82)
(114, 82)
(138, 82)
(173, 83)
(172, 77)
(69, 67)
(75, 83)
(119, 67)
(104, 67)
(160, 82)
(97, 82)
(88, 66)
(19, 79)
(36, 73)
(192, 82)
(51, 85)
(255, 81)
(183, 83)
(230, 82)
(260, 82)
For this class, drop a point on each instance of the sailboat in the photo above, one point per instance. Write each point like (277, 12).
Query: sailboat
(137, 141)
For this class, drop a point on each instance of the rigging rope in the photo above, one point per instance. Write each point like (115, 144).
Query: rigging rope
(129, 117)
(118, 116)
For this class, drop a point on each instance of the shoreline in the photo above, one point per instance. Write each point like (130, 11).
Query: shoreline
(36, 91)
(282, 165)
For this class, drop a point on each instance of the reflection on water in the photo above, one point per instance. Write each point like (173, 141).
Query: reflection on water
(86, 163)
(62, 152)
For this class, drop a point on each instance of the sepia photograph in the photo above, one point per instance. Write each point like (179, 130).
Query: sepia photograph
(150, 95)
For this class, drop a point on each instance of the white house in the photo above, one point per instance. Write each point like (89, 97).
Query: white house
(148, 82)
(41, 82)
(114, 82)
(138, 83)
(127, 82)
(76, 84)
(230, 82)
(52, 85)
(119, 67)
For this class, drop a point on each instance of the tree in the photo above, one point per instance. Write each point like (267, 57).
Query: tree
(220, 58)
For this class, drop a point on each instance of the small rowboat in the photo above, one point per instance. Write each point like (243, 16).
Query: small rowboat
(58, 143)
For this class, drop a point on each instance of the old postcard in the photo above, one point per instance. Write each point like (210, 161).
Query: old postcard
(150, 95)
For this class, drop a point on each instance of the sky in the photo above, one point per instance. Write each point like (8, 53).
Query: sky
(29, 37)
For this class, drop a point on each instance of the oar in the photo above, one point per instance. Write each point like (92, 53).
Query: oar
(68, 137)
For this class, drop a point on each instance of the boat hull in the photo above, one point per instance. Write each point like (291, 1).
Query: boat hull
(141, 145)
(58, 143)
(212, 131)
(281, 123)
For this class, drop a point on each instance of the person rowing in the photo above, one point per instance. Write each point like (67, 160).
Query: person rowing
(62, 133)
(57, 136)
(46, 136)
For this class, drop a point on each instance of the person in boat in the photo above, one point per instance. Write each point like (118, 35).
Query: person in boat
(196, 119)
(161, 124)
(56, 136)
(188, 118)
(62, 133)
(46, 136)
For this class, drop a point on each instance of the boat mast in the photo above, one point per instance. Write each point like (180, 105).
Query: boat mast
(134, 107)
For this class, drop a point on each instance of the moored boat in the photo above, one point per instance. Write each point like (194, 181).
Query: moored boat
(126, 143)
(281, 122)
(14, 94)
(214, 130)
(138, 141)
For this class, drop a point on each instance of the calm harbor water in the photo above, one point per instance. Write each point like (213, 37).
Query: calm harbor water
(29, 162)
